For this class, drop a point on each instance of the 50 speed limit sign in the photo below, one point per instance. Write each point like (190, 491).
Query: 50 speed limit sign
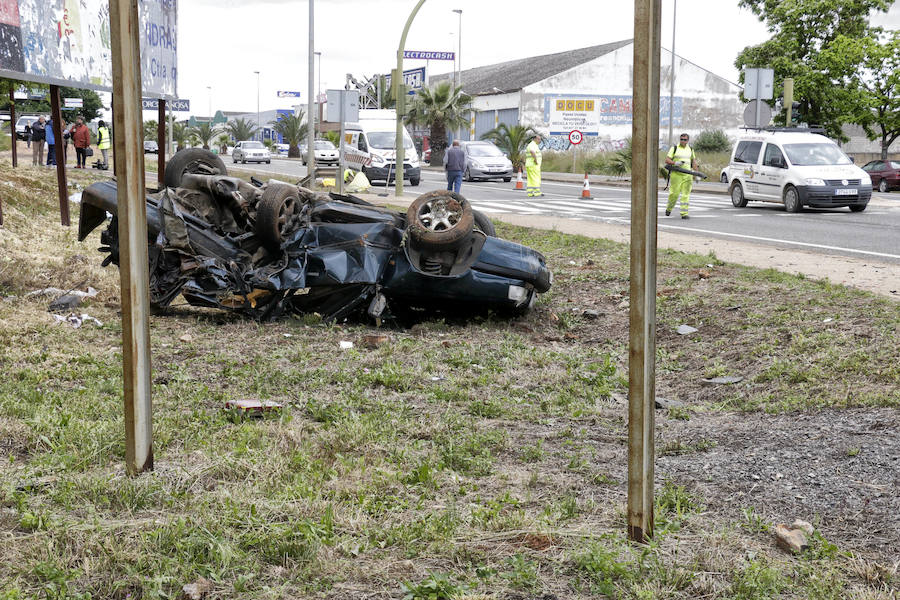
(575, 137)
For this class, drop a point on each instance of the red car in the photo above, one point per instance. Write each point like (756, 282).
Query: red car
(885, 174)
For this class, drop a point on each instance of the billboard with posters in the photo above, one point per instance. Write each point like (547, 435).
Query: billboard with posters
(67, 42)
(565, 113)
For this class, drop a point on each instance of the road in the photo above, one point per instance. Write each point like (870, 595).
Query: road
(873, 234)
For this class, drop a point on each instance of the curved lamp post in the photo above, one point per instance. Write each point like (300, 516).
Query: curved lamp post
(399, 152)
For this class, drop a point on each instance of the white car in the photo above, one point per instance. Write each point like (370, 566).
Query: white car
(796, 169)
(250, 151)
(326, 153)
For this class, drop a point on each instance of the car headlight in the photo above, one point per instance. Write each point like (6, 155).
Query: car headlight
(865, 179)
(377, 160)
(414, 160)
(814, 181)
(477, 164)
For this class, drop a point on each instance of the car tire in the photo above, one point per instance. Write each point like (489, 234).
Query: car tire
(275, 214)
(439, 220)
(792, 199)
(883, 186)
(414, 181)
(467, 176)
(507, 179)
(268, 162)
(484, 223)
(192, 160)
(234, 160)
(738, 199)
(858, 207)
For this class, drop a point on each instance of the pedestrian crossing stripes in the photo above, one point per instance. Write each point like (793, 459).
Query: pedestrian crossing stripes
(580, 207)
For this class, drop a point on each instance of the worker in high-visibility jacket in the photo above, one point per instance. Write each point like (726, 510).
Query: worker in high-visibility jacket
(533, 167)
(103, 142)
(680, 184)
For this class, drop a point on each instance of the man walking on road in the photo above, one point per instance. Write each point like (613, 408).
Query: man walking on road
(681, 155)
(533, 161)
(455, 164)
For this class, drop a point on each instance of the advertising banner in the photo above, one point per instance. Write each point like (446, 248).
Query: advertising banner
(428, 55)
(413, 78)
(178, 105)
(586, 113)
(286, 94)
(67, 42)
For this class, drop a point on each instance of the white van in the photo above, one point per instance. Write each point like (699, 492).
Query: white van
(375, 133)
(796, 169)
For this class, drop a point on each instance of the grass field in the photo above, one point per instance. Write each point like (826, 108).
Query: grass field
(463, 459)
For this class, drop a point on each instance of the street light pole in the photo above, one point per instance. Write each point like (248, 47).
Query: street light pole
(209, 93)
(399, 88)
(459, 51)
(310, 121)
(319, 86)
(258, 127)
(672, 74)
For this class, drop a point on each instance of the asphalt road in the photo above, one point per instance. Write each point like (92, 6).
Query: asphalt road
(874, 233)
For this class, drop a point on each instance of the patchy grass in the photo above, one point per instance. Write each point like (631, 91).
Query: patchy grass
(479, 459)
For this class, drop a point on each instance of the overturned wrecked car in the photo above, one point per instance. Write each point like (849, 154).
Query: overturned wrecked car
(266, 249)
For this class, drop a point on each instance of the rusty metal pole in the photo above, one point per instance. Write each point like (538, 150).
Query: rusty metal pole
(12, 128)
(133, 264)
(161, 143)
(642, 299)
(61, 182)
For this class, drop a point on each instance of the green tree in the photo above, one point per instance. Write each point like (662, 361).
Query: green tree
(800, 30)
(180, 134)
(293, 130)
(150, 129)
(869, 70)
(204, 133)
(242, 129)
(512, 140)
(439, 108)
(92, 106)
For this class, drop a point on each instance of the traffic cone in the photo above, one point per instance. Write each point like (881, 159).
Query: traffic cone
(520, 185)
(586, 191)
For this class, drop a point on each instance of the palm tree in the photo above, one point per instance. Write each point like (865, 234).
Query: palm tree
(512, 140)
(293, 130)
(242, 129)
(179, 134)
(205, 132)
(150, 130)
(439, 108)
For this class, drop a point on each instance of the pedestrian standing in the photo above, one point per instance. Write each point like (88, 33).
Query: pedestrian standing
(103, 142)
(81, 139)
(533, 161)
(454, 164)
(38, 137)
(51, 143)
(680, 184)
(27, 135)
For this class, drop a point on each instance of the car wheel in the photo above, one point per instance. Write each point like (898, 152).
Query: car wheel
(439, 220)
(858, 207)
(724, 178)
(737, 195)
(268, 162)
(234, 160)
(507, 179)
(791, 199)
(414, 181)
(276, 212)
(192, 160)
(883, 186)
(484, 223)
(467, 176)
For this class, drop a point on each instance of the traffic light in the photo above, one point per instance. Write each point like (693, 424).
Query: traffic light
(795, 113)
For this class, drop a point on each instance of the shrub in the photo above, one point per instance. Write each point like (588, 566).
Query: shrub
(711, 141)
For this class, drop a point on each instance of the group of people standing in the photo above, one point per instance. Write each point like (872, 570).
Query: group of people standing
(40, 132)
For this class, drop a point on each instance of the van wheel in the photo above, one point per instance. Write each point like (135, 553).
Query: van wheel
(857, 207)
(737, 195)
(791, 199)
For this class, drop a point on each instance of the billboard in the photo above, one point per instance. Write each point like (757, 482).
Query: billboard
(587, 113)
(413, 78)
(67, 42)
(429, 55)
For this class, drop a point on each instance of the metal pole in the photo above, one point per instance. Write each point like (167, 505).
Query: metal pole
(400, 151)
(788, 100)
(758, 96)
(61, 183)
(171, 132)
(161, 143)
(12, 126)
(340, 174)
(642, 313)
(672, 76)
(258, 125)
(458, 62)
(312, 118)
(133, 265)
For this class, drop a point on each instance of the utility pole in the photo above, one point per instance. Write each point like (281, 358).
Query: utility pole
(788, 100)
(310, 120)
(672, 75)
(399, 150)
(258, 126)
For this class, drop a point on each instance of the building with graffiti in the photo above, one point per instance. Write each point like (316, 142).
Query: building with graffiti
(589, 89)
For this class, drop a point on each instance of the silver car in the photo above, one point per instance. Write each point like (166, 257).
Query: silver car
(250, 151)
(326, 153)
(484, 160)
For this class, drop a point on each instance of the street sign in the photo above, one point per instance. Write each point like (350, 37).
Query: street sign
(351, 106)
(759, 84)
(575, 137)
(282, 94)
(757, 114)
(428, 55)
(413, 78)
(178, 105)
(73, 102)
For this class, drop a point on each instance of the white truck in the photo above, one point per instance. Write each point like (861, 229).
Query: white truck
(375, 133)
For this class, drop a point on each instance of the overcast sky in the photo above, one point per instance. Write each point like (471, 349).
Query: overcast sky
(222, 42)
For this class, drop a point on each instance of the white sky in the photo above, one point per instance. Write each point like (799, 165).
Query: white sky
(222, 42)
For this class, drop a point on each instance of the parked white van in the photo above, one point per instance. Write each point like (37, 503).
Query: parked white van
(796, 169)
(375, 133)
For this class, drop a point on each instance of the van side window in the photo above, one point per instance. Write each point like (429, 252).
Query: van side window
(362, 143)
(774, 157)
(747, 152)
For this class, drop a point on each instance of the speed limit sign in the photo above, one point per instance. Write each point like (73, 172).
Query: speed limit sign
(575, 137)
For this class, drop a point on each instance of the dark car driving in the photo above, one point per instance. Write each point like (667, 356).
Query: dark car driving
(885, 174)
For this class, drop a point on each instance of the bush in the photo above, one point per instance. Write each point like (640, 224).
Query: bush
(711, 141)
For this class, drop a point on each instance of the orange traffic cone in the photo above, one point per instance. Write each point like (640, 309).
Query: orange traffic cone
(520, 185)
(586, 191)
